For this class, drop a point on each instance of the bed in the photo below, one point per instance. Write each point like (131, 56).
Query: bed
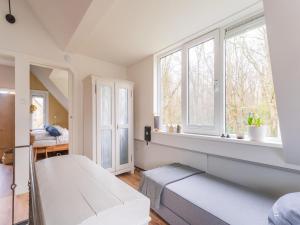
(43, 143)
(73, 190)
(203, 199)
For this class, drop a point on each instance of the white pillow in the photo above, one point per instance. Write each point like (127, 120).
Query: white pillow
(286, 210)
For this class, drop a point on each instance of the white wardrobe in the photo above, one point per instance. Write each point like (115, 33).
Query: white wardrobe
(108, 123)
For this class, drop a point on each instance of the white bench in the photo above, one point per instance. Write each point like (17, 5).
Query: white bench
(73, 190)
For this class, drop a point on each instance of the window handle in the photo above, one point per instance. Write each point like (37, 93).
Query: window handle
(216, 85)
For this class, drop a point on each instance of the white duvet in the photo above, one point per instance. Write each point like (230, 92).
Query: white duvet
(64, 137)
(42, 135)
(42, 138)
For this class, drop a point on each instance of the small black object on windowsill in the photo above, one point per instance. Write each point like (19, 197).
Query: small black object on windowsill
(147, 134)
(225, 136)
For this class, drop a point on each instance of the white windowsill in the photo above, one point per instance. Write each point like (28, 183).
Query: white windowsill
(267, 143)
(265, 153)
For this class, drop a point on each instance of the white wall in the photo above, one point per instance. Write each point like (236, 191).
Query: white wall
(153, 155)
(282, 19)
(266, 179)
(26, 35)
(260, 167)
(142, 75)
(28, 42)
(22, 122)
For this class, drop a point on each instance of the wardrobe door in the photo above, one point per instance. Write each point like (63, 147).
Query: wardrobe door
(105, 125)
(124, 137)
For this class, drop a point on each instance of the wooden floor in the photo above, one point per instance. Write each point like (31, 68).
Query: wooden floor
(21, 205)
(21, 202)
(5, 180)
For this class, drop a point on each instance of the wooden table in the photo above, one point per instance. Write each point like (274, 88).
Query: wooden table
(57, 148)
(39, 150)
(54, 148)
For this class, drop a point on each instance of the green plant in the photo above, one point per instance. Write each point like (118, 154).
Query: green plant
(254, 120)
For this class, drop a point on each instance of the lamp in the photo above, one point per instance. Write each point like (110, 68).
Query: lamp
(10, 17)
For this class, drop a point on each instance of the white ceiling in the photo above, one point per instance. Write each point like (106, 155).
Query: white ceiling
(60, 17)
(55, 81)
(126, 31)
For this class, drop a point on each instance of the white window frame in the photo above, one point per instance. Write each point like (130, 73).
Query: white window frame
(45, 95)
(159, 100)
(229, 32)
(198, 129)
(219, 35)
(238, 28)
(7, 91)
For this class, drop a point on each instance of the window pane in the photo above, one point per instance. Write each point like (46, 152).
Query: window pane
(106, 108)
(106, 149)
(201, 84)
(170, 68)
(123, 104)
(39, 114)
(123, 145)
(249, 85)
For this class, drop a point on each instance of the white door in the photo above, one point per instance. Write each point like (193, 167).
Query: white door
(124, 144)
(105, 125)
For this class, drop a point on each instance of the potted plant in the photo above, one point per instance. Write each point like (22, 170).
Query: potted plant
(256, 129)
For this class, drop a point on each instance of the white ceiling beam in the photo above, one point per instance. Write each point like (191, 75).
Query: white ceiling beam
(42, 74)
(96, 11)
(282, 20)
(60, 17)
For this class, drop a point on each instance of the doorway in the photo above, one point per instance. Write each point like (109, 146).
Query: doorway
(7, 104)
(50, 108)
(43, 115)
(7, 142)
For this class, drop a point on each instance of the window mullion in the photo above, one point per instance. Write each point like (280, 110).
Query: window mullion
(184, 88)
(218, 76)
(222, 64)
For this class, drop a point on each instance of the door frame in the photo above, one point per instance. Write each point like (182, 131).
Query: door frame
(71, 122)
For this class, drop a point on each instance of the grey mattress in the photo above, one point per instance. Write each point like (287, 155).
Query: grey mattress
(203, 199)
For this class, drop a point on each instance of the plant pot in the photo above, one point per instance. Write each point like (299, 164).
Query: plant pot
(257, 133)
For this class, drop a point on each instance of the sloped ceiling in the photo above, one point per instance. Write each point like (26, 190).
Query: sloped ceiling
(134, 29)
(60, 79)
(282, 19)
(43, 74)
(60, 17)
(126, 31)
